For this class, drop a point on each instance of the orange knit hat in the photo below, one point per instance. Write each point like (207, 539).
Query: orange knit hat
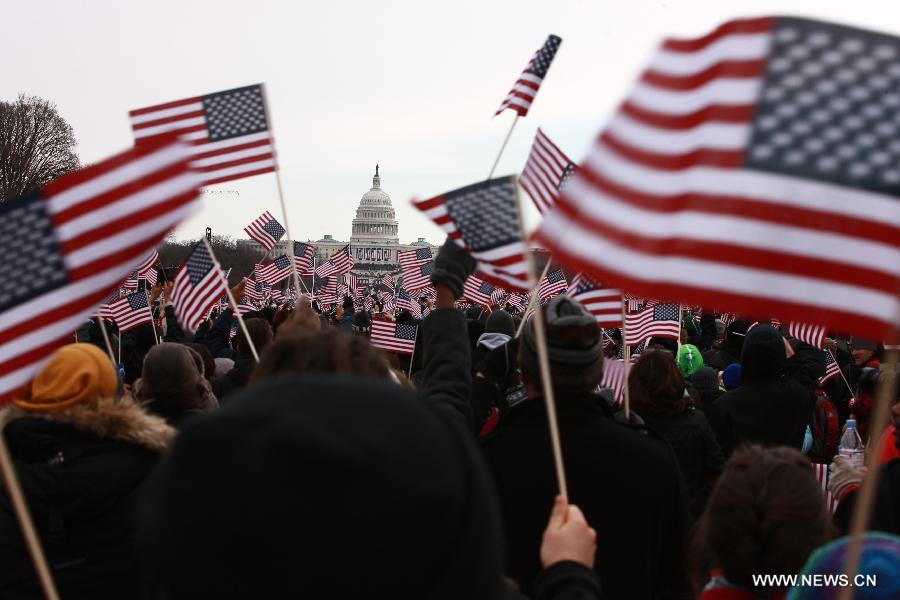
(75, 373)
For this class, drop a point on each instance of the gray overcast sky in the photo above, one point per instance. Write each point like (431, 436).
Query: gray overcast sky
(408, 84)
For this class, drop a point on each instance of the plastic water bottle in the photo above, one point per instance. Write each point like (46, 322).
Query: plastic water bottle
(851, 447)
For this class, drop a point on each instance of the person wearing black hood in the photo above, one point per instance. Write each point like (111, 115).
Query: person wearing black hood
(729, 350)
(626, 479)
(775, 402)
(346, 487)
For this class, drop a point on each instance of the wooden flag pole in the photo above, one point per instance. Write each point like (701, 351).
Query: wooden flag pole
(237, 313)
(865, 500)
(847, 383)
(626, 355)
(543, 357)
(530, 307)
(33, 543)
(106, 341)
(413, 354)
(502, 148)
(295, 276)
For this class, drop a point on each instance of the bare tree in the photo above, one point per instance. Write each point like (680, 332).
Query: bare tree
(36, 145)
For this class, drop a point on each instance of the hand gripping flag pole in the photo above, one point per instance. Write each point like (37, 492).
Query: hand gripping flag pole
(543, 360)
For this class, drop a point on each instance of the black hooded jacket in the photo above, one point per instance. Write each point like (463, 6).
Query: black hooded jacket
(626, 481)
(776, 399)
(319, 486)
(81, 490)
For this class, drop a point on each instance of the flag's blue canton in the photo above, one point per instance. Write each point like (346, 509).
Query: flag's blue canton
(258, 287)
(423, 254)
(544, 57)
(565, 176)
(137, 300)
(235, 112)
(274, 228)
(300, 248)
(829, 108)
(665, 312)
(30, 262)
(485, 213)
(282, 263)
(198, 264)
(556, 276)
(405, 331)
(486, 288)
(427, 269)
(403, 295)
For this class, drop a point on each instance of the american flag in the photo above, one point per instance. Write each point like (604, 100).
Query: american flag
(265, 230)
(131, 282)
(232, 332)
(728, 318)
(246, 305)
(147, 268)
(634, 303)
(368, 303)
(228, 132)
(64, 248)
(739, 172)
(303, 257)
(477, 290)
(408, 303)
(416, 267)
(387, 281)
(546, 172)
(498, 296)
(661, 320)
(274, 272)
(814, 335)
(517, 301)
(604, 304)
(392, 336)
(197, 286)
(328, 293)
(131, 311)
(522, 94)
(552, 284)
(483, 218)
(821, 473)
(254, 290)
(614, 377)
(832, 369)
(103, 311)
(340, 262)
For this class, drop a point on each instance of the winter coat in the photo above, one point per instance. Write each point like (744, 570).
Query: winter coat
(697, 450)
(81, 470)
(626, 481)
(775, 402)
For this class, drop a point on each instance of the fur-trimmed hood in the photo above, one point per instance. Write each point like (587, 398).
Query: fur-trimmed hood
(121, 420)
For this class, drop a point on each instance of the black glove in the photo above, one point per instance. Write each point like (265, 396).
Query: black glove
(452, 266)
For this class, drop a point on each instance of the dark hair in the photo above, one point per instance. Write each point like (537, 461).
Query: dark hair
(209, 363)
(327, 350)
(260, 333)
(765, 515)
(656, 385)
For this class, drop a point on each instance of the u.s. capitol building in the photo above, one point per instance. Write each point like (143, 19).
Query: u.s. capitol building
(374, 237)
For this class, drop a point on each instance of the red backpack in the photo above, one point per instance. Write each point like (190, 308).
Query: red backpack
(826, 430)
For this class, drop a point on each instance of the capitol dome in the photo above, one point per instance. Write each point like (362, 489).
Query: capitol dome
(375, 218)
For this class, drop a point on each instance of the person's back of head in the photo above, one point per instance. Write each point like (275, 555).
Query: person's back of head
(500, 321)
(321, 482)
(326, 350)
(172, 384)
(574, 348)
(656, 385)
(260, 334)
(209, 362)
(765, 515)
(763, 357)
